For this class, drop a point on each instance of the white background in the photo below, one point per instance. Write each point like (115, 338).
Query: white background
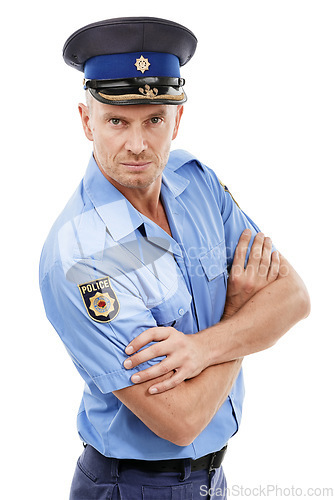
(260, 112)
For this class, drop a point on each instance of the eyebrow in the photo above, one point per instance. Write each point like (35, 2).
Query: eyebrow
(161, 112)
(108, 115)
(115, 114)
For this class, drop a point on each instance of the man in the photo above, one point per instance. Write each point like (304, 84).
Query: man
(141, 254)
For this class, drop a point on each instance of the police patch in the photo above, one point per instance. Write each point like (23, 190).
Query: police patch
(100, 300)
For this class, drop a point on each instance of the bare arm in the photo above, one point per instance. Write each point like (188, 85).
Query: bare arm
(263, 302)
(171, 414)
(253, 325)
(260, 322)
(180, 415)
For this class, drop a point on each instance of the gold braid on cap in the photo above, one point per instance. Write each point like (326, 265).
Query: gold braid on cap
(146, 93)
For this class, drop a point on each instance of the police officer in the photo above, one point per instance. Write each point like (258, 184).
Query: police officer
(142, 253)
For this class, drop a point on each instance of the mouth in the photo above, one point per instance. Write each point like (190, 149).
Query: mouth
(137, 166)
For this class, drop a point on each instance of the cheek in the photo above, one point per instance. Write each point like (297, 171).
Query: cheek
(105, 143)
(163, 141)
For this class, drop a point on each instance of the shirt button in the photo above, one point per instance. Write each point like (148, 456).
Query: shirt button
(181, 311)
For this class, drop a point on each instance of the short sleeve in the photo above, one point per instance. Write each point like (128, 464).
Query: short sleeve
(235, 221)
(95, 342)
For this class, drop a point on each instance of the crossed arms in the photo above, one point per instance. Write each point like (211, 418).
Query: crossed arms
(264, 300)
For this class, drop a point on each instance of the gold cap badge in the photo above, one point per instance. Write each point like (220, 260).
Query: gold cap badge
(142, 64)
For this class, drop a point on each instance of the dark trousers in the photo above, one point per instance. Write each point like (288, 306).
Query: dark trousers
(99, 478)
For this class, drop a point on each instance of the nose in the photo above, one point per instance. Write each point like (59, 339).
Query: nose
(135, 142)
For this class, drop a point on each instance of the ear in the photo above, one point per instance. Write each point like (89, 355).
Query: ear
(179, 113)
(85, 119)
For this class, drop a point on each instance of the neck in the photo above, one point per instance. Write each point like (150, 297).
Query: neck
(145, 200)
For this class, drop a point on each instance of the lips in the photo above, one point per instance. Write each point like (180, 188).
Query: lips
(142, 165)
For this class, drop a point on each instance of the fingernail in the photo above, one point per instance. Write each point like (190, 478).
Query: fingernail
(128, 363)
(153, 390)
(135, 378)
(129, 349)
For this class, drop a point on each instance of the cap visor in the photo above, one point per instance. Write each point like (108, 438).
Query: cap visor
(141, 95)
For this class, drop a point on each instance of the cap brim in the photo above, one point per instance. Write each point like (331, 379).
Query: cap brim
(141, 95)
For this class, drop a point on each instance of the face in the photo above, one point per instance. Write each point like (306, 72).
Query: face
(131, 143)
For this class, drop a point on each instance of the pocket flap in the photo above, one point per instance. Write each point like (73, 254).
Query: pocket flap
(173, 308)
(214, 261)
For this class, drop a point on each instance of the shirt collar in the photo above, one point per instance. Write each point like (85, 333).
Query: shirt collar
(109, 202)
(173, 181)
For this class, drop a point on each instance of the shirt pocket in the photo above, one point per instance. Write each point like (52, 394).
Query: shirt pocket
(214, 262)
(214, 266)
(174, 307)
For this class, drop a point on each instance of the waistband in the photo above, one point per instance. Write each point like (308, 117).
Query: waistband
(208, 462)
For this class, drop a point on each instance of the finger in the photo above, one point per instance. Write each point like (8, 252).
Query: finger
(168, 384)
(255, 253)
(265, 258)
(241, 249)
(153, 372)
(274, 266)
(152, 334)
(154, 351)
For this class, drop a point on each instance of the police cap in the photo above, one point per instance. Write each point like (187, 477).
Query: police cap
(132, 60)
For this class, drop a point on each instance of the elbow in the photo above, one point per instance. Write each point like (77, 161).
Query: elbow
(303, 302)
(183, 440)
(298, 303)
(181, 432)
(191, 427)
(296, 296)
(180, 436)
(306, 304)
(186, 435)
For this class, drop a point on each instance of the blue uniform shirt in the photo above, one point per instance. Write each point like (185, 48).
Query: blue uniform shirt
(107, 273)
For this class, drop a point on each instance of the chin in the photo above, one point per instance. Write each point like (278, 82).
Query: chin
(139, 183)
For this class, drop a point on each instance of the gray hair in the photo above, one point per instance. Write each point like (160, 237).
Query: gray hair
(88, 99)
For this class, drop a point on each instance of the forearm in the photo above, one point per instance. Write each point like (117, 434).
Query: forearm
(209, 391)
(260, 322)
(265, 298)
(180, 414)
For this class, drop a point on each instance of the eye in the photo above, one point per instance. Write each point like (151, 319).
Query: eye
(115, 121)
(155, 120)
